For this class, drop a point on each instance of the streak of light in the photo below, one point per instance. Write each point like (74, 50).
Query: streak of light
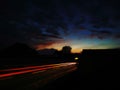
(33, 69)
(15, 69)
(20, 72)
(38, 71)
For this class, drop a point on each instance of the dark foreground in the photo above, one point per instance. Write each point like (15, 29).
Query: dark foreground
(97, 71)
(33, 77)
(85, 81)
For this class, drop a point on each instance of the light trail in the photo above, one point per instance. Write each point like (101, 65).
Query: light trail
(31, 69)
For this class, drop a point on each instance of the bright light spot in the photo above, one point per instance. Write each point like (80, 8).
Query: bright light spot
(76, 58)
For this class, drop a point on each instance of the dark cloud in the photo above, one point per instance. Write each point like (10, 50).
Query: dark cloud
(45, 22)
(104, 26)
(100, 34)
(51, 36)
(80, 20)
(52, 30)
(80, 27)
(104, 34)
(101, 31)
(117, 36)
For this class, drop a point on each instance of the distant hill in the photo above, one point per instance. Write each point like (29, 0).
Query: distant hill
(18, 50)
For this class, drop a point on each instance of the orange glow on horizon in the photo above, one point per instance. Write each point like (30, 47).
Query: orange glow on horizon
(77, 50)
(59, 46)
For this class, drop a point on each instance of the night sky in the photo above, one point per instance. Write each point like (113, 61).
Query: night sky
(81, 24)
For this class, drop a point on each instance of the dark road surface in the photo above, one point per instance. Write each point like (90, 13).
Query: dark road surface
(63, 76)
(86, 81)
(33, 77)
(95, 70)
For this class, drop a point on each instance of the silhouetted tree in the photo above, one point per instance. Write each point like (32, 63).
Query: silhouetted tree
(66, 50)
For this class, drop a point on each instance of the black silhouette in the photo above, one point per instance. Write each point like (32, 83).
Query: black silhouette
(97, 69)
(20, 53)
(94, 66)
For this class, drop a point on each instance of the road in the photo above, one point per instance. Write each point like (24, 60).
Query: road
(33, 77)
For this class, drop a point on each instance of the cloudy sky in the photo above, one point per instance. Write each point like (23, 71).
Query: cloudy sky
(86, 24)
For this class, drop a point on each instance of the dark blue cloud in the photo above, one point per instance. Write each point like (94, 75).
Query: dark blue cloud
(50, 21)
